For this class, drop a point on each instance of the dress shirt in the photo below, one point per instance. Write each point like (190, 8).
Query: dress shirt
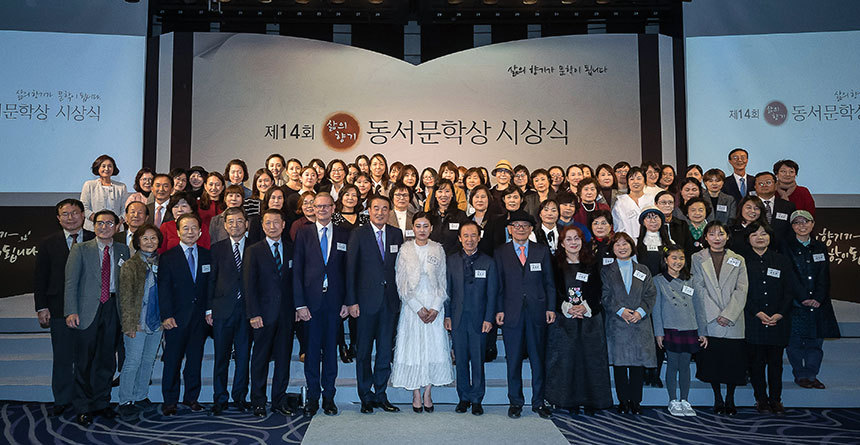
(280, 242)
(738, 182)
(328, 234)
(156, 206)
(68, 234)
(517, 249)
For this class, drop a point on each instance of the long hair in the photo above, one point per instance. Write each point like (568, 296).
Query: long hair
(586, 256)
(205, 200)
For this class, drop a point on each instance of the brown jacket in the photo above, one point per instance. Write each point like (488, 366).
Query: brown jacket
(131, 287)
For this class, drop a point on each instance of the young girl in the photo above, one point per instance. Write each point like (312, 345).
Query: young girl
(679, 325)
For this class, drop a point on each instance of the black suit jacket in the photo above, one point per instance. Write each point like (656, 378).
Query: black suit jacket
(495, 233)
(528, 288)
(782, 210)
(730, 186)
(476, 295)
(49, 277)
(370, 279)
(178, 293)
(309, 270)
(150, 217)
(268, 294)
(227, 280)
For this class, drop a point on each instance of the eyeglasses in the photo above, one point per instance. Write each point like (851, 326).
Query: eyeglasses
(322, 206)
(105, 223)
(401, 195)
(665, 203)
(800, 222)
(769, 182)
(520, 226)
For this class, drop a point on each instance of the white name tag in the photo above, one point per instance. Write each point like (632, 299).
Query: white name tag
(534, 267)
(608, 261)
(582, 277)
(290, 264)
(653, 248)
(782, 216)
(639, 275)
(205, 268)
(480, 273)
(392, 248)
(410, 234)
(155, 268)
(818, 257)
(341, 247)
(734, 262)
(771, 272)
(722, 208)
(453, 226)
(687, 290)
(120, 262)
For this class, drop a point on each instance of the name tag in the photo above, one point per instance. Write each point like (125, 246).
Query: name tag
(722, 208)
(410, 234)
(582, 277)
(341, 247)
(534, 267)
(392, 248)
(639, 275)
(608, 261)
(734, 262)
(773, 272)
(432, 260)
(290, 264)
(633, 214)
(120, 262)
(653, 248)
(205, 268)
(480, 273)
(782, 216)
(687, 290)
(453, 226)
(818, 257)
(155, 268)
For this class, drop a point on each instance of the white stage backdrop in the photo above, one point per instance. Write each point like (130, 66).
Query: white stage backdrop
(540, 102)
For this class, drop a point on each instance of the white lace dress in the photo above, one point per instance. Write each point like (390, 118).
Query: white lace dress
(422, 350)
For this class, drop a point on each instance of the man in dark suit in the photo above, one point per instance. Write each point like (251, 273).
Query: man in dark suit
(90, 307)
(525, 308)
(739, 184)
(371, 294)
(48, 289)
(777, 210)
(473, 286)
(183, 285)
(269, 305)
(225, 312)
(319, 289)
(162, 188)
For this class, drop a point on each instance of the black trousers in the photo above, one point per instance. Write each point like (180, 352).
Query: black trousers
(529, 336)
(95, 359)
(469, 349)
(232, 333)
(63, 367)
(378, 328)
(766, 359)
(272, 340)
(321, 353)
(186, 341)
(628, 383)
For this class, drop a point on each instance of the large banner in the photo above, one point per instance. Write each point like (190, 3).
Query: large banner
(540, 102)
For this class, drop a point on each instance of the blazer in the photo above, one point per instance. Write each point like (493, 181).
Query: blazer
(84, 279)
(446, 231)
(629, 344)
(677, 309)
(130, 293)
(812, 266)
(769, 294)
(370, 277)
(268, 294)
(782, 211)
(226, 279)
(476, 294)
(408, 234)
(725, 295)
(178, 293)
(730, 186)
(309, 270)
(49, 275)
(495, 234)
(150, 217)
(528, 288)
(725, 210)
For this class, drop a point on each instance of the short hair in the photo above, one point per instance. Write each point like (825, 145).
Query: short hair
(233, 211)
(106, 212)
(511, 191)
(199, 170)
(760, 174)
(566, 198)
(311, 168)
(187, 197)
(756, 202)
(555, 167)
(272, 212)
(422, 214)
(785, 162)
(663, 193)
(293, 160)
(69, 201)
(710, 226)
(331, 164)
(338, 206)
(432, 172)
(696, 167)
(601, 213)
(753, 227)
(139, 175)
(138, 234)
(586, 181)
(169, 177)
(737, 149)
(523, 168)
(409, 168)
(470, 172)
(98, 162)
(611, 171)
(545, 203)
(714, 173)
(621, 164)
(374, 197)
(652, 164)
(301, 201)
(478, 188)
(634, 170)
(469, 223)
(448, 165)
(689, 180)
(621, 236)
(540, 171)
(241, 164)
(694, 200)
(399, 185)
(145, 207)
(191, 215)
(174, 172)
(233, 188)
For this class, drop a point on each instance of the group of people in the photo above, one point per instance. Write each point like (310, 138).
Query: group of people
(622, 266)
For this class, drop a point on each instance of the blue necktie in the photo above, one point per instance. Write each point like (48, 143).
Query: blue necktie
(278, 261)
(153, 314)
(743, 187)
(381, 244)
(191, 264)
(324, 245)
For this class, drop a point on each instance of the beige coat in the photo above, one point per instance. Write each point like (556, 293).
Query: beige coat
(725, 296)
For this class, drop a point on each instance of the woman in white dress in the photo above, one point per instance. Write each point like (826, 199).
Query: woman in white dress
(627, 207)
(422, 356)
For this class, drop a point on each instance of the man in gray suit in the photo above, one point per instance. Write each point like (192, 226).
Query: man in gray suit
(92, 279)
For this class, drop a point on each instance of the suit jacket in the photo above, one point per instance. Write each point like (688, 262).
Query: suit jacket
(495, 234)
(528, 288)
(730, 186)
(49, 277)
(392, 220)
(724, 296)
(725, 210)
(782, 211)
(150, 218)
(268, 294)
(476, 294)
(370, 278)
(84, 279)
(178, 293)
(226, 279)
(629, 344)
(771, 295)
(309, 270)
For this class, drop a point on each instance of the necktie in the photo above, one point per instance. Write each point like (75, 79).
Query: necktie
(74, 237)
(381, 245)
(278, 262)
(153, 314)
(522, 255)
(158, 216)
(238, 259)
(768, 210)
(192, 265)
(105, 276)
(324, 245)
(743, 187)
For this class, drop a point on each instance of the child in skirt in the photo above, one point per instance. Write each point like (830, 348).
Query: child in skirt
(679, 326)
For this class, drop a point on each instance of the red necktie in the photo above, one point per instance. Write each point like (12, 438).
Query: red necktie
(105, 276)
(522, 255)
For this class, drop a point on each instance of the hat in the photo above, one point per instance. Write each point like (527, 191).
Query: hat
(504, 165)
(520, 215)
(652, 209)
(801, 214)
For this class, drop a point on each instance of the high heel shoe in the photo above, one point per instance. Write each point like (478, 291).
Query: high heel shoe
(417, 409)
(344, 354)
(429, 409)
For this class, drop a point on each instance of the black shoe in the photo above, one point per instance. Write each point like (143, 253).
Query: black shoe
(543, 411)
(242, 406)
(329, 408)
(575, 411)
(634, 408)
(144, 404)
(462, 407)
(491, 354)
(657, 383)
(477, 409)
(128, 411)
(719, 407)
(429, 409)
(58, 410)
(168, 410)
(777, 408)
(418, 409)
(84, 419)
(589, 411)
(366, 407)
(107, 413)
(351, 352)
(283, 409)
(260, 411)
(115, 382)
(730, 409)
(762, 406)
(622, 407)
(311, 407)
(195, 406)
(217, 409)
(388, 407)
(344, 354)
(514, 412)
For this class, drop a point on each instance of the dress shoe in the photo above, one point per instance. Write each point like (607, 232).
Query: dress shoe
(107, 413)
(388, 407)
(804, 383)
(194, 406)
(351, 352)
(462, 407)
(260, 411)
(329, 408)
(575, 411)
(168, 410)
(622, 407)
(283, 409)
(817, 384)
(657, 383)
(344, 354)
(514, 412)
(429, 409)
(719, 407)
(366, 408)
(58, 410)
(634, 408)
(84, 419)
(144, 404)
(491, 354)
(477, 409)
(311, 408)
(589, 411)
(543, 411)
(242, 406)
(217, 409)
(128, 411)
(777, 408)
(731, 409)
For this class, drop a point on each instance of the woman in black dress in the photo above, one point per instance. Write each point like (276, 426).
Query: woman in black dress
(576, 358)
(601, 230)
